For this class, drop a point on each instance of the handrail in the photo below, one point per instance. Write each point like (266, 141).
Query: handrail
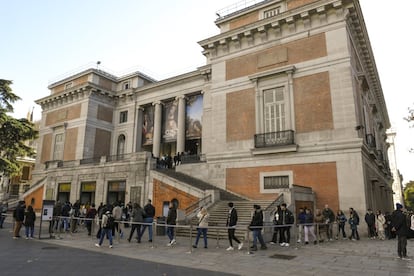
(276, 202)
(190, 210)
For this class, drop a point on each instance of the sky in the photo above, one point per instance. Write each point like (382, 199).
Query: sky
(45, 40)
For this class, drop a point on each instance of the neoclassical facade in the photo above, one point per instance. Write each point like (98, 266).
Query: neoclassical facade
(289, 95)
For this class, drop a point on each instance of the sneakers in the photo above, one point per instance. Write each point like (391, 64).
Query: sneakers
(230, 248)
(272, 242)
(111, 246)
(253, 248)
(282, 244)
(97, 245)
(240, 246)
(405, 258)
(194, 246)
(173, 242)
(287, 244)
(263, 247)
(299, 241)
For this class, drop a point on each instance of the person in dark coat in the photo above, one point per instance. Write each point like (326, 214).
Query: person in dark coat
(370, 220)
(18, 216)
(171, 222)
(400, 228)
(29, 222)
(231, 224)
(256, 227)
(137, 218)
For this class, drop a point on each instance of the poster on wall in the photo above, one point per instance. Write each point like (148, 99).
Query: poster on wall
(148, 125)
(194, 117)
(170, 121)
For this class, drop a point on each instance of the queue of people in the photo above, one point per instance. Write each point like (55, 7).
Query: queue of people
(311, 227)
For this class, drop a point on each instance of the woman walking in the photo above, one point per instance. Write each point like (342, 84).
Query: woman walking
(203, 217)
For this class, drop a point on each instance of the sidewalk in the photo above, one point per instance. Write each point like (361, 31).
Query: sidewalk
(342, 257)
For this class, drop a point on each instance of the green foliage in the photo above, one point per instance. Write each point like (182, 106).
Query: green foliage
(13, 132)
(409, 195)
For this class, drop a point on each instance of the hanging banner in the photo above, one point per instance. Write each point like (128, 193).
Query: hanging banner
(148, 125)
(194, 112)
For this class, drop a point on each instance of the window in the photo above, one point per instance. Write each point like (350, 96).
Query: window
(123, 117)
(58, 148)
(271, 13)
(275, 182)
(274, 110)
(121, 145)
(126, 85)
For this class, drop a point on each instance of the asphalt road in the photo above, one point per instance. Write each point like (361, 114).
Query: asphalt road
(33, 257)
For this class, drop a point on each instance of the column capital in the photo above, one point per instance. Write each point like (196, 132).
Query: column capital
(180, 97)
(157, 103)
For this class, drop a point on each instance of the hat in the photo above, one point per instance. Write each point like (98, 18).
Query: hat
(108, 212)
(398, 205)
(256, 206)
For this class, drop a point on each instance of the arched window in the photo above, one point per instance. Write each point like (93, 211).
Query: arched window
(121, 145)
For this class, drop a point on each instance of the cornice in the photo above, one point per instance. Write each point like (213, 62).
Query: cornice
(262, 29)
(359, 33)
(74, 94)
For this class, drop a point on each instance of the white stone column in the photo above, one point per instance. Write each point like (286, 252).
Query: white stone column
(291, 100)
(181, 124)
(156, 142)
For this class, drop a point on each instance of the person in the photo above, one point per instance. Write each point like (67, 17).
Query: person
(29, 222)
(353, 223)
(171, 222)
(117, 213)
(231, 227)
(341, 220)
(308, 227)
(329, 218)
(18, 216)
(106, 229)
(388, 233)
(320, 225)
(287, 219)
(370, 220)
(301, 221)
(3, 211)
(148, 219)
(400, 228)
(66, 209)
(203, 217)
(90, 217)
(137, 218)
(256, 227)
(379, 225)
(276, 229)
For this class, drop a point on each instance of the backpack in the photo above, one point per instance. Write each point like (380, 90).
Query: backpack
(110, 223)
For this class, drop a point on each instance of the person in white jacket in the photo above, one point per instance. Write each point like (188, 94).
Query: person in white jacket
(379, 225)
(203, 217)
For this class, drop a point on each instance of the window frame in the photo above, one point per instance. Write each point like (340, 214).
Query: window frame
(123, 116)
(263, 175)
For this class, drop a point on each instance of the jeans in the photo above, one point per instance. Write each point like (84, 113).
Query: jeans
(144, 226)
(199, 232)
(138, 228)
(170, 233)
(257, 235)
(106, 232)
(309, 229)
(285, 234)
(29, 231)
(402, 246)
(232, 236)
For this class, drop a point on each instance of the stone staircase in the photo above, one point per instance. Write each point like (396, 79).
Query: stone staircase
(218, 217)
(199, 184)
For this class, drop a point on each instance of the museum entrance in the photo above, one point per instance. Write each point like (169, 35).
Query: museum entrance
(116, 191)
(87, 192)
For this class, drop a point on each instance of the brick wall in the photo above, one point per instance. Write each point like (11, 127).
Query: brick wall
(163, 192)
(46, 148)
(63, 114)
(71, 141)
(297, 51)
(313, 105)
(292, 4)
(240, 115)
(321, 177)
(244, 20)
(105, 113)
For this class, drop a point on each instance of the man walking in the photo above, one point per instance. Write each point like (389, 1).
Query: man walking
(329, 218)
(400, 227)
(148, 219)
(231, 224)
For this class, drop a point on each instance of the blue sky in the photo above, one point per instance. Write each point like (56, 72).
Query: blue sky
(45, 39)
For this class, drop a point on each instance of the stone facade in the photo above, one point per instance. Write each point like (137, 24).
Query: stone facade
(289, 96)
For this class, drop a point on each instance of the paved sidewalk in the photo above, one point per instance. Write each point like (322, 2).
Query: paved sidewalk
(342, 257)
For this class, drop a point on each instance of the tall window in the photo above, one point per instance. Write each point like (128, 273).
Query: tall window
(274, 110)
(58, 147)
(123, 117)
(121, 145)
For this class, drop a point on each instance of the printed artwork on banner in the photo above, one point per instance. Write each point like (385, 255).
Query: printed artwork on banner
(148, 125)
(194, 116)
(170, 121)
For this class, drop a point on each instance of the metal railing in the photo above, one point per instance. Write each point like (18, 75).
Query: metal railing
(272, 139)
(193, 208)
